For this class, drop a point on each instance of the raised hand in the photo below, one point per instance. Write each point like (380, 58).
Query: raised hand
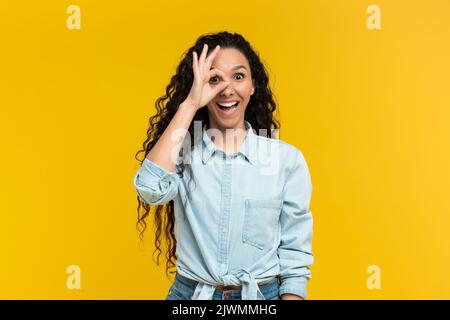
(202, 91)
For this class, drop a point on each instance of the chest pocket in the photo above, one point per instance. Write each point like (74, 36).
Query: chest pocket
(261, 221)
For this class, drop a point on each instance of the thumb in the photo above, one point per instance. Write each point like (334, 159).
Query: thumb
(221, 86)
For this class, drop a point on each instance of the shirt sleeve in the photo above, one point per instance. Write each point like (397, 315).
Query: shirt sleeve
(154, 184)
(296, 221)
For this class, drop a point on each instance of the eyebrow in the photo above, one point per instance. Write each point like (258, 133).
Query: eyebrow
(236, 67)
(239, 67)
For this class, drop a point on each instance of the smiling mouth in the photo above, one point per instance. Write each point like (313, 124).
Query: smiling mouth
(227, 106)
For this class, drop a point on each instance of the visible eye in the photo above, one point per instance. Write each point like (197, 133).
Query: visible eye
(214, 79)
(241, 75)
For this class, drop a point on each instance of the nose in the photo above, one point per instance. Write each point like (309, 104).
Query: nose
(228, 91)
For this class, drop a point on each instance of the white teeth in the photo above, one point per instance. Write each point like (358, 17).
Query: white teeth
(227, 104)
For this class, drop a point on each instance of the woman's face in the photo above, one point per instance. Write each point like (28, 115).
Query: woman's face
(239, 90)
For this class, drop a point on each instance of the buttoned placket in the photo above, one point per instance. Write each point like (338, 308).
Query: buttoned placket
(250, 288)
(225, 212)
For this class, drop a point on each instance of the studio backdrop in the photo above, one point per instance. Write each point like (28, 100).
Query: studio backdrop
(362, 89)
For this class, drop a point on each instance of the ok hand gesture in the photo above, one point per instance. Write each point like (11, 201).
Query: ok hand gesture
(202, 91)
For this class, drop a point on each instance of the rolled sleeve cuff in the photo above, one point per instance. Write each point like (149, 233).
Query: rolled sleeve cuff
(156, 169)
(294, 285)
(154, 183)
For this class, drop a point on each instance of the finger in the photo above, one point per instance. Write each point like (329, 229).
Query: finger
(220, 74)
(211, 57)
(210, 74)
(215, 72)
(195, 63)
(201, 61)
(220, 87)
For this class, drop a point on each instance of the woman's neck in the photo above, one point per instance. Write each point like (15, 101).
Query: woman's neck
(230, 139)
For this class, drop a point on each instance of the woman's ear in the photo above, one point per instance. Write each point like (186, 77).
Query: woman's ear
(253, 91)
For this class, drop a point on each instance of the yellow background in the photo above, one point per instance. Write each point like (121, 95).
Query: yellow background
(368, 108)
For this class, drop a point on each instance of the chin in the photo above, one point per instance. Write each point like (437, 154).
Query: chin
(227, 123)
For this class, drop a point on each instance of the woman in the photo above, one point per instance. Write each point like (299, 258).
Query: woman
(234, 203)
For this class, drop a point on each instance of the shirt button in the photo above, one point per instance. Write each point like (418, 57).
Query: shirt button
(225, 230)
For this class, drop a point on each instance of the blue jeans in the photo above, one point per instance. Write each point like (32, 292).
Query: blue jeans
(183, 289)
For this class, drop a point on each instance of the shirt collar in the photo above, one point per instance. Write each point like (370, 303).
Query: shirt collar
(247, 147)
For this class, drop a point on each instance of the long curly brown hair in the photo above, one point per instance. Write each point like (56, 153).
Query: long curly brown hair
(259, 113)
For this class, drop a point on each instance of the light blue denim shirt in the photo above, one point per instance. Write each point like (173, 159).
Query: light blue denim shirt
(248, 218)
